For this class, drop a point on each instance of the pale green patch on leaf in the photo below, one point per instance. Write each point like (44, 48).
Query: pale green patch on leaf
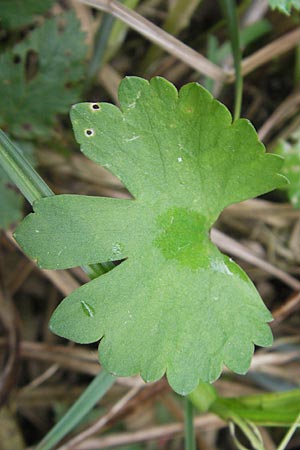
(285, 6)
(176, 305)
(31, 99)
(18, 13)
(291, 168)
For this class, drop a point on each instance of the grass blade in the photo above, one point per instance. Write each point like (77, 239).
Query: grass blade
(21, 171)
(94, 392)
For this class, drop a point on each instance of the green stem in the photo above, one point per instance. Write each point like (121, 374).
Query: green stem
(101, 40)
(297, 67)
(20, 171)
(92, 394)
(289, 434)
(250, 431)
(230, 13)
(189, 432)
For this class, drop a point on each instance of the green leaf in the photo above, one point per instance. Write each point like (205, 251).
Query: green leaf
(17, 13)
(291, 168)
(285, 6)
(30, 99)
(176, 304)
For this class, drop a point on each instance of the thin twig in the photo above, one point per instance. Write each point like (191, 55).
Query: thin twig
(160, 37)
(100, 424)
(285, 110)
(204, 422)
(229, 245)
(284, 310)
(42, 378)
(189, 56)
(276, 48)
(62, 279)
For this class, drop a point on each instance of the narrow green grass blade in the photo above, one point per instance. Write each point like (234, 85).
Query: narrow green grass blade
(21, 171)
(94, 392)
(229, 11)
(283, 444)
(100, 45)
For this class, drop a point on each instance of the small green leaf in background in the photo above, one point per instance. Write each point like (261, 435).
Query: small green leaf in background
(285, 6)
(18, 13)
(31, 98)
(291, 168)
(219, 53)
(176, 304)
(267, 409)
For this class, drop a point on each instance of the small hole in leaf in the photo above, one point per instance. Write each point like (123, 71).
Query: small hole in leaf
(95, 106)
(89, 132)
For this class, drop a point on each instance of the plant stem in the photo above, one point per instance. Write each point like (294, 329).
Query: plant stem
(289, 434)
(20, 171)
(297, 67)
(189, 432)
(229, 11)
(92, 394)
(250, 431)
(100, 44)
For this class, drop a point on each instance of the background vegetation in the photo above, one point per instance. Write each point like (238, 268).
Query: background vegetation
(54, 54)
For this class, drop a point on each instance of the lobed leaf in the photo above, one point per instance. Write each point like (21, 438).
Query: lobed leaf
(18, 13)
(175, 304)
(30, 99)
(285, 6)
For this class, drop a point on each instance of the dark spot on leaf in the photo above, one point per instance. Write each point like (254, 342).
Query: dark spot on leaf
(89, 132)
(11, 187)
(61, 25)
(17, 59)
(27, 126)
(31, 65)
(95, 106)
